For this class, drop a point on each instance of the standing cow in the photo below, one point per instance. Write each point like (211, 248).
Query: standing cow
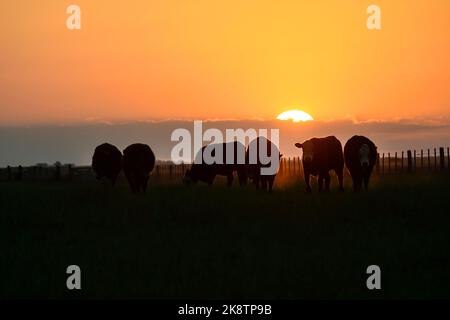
(205, 170)
(360, 155)
(138, 162)
(256, 163)
(320, 155)
(107, 162)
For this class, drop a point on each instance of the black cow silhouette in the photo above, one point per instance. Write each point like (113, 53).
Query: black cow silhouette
(107, 162)
(320, 156)
(360, 155)
(254, 166)
(205, 170)
(138, 163)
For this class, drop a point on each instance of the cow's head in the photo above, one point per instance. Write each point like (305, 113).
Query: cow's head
(308, 151)
(364, 155)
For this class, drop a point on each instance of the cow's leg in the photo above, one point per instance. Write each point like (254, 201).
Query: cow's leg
(115, 179)
(256, 181)
(320, 181)
(307, 181)
(355, 183)
(131, 182)
(327, 181)
(366, 181)
(358, 182)
(356, 178)
(340, 175)
(211, 179)
(144, 186)
(271, 179)
(135, 180)
(229, 180)
(264, 183)
(242, 178)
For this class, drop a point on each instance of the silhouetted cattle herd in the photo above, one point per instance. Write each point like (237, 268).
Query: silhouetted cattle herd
(320, 156)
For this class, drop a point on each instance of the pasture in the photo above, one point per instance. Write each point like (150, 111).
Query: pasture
(200, 242)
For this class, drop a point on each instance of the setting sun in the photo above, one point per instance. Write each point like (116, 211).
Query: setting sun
(295, 116)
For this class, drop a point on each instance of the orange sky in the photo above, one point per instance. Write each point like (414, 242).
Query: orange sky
(142, 59)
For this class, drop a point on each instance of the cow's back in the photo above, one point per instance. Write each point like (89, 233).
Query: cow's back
(327, 154)
(107, 160)
(138, 158)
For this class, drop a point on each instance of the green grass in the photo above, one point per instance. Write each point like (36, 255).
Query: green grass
(199, 242)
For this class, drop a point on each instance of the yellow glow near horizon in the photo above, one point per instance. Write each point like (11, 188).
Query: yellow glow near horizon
(295, 116)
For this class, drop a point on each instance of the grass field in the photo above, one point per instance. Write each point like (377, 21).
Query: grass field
(199, 242)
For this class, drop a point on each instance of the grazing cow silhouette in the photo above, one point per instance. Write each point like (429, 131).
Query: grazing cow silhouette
(254, 166)
(138, 162)
(205, 169)
(320, 155)
(107, 162)
(360, 155)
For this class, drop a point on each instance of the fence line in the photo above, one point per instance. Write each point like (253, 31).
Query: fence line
(386, 163)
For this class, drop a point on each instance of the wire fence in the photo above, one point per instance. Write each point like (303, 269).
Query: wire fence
(410, 161)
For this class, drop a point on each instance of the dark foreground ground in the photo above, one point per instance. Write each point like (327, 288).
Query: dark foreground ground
(197, 242)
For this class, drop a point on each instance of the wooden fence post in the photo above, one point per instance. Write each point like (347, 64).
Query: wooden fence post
(377, 168)
(70, 172)
(421, 159)
(403, 160)
(382, 165)
(20, 173)
(448, 158)
(435, 159)
(409, 161)
(429, 160)
(395, 162)
(415, 161)
(300, 166)
(57, 172)
(442, 158)
(389, 162)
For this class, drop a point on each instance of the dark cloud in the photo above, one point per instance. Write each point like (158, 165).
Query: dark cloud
(75, 143)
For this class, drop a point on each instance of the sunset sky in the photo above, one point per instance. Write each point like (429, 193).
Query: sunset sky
(178, 59)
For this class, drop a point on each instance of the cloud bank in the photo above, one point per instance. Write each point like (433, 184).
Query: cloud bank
(75, 143)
